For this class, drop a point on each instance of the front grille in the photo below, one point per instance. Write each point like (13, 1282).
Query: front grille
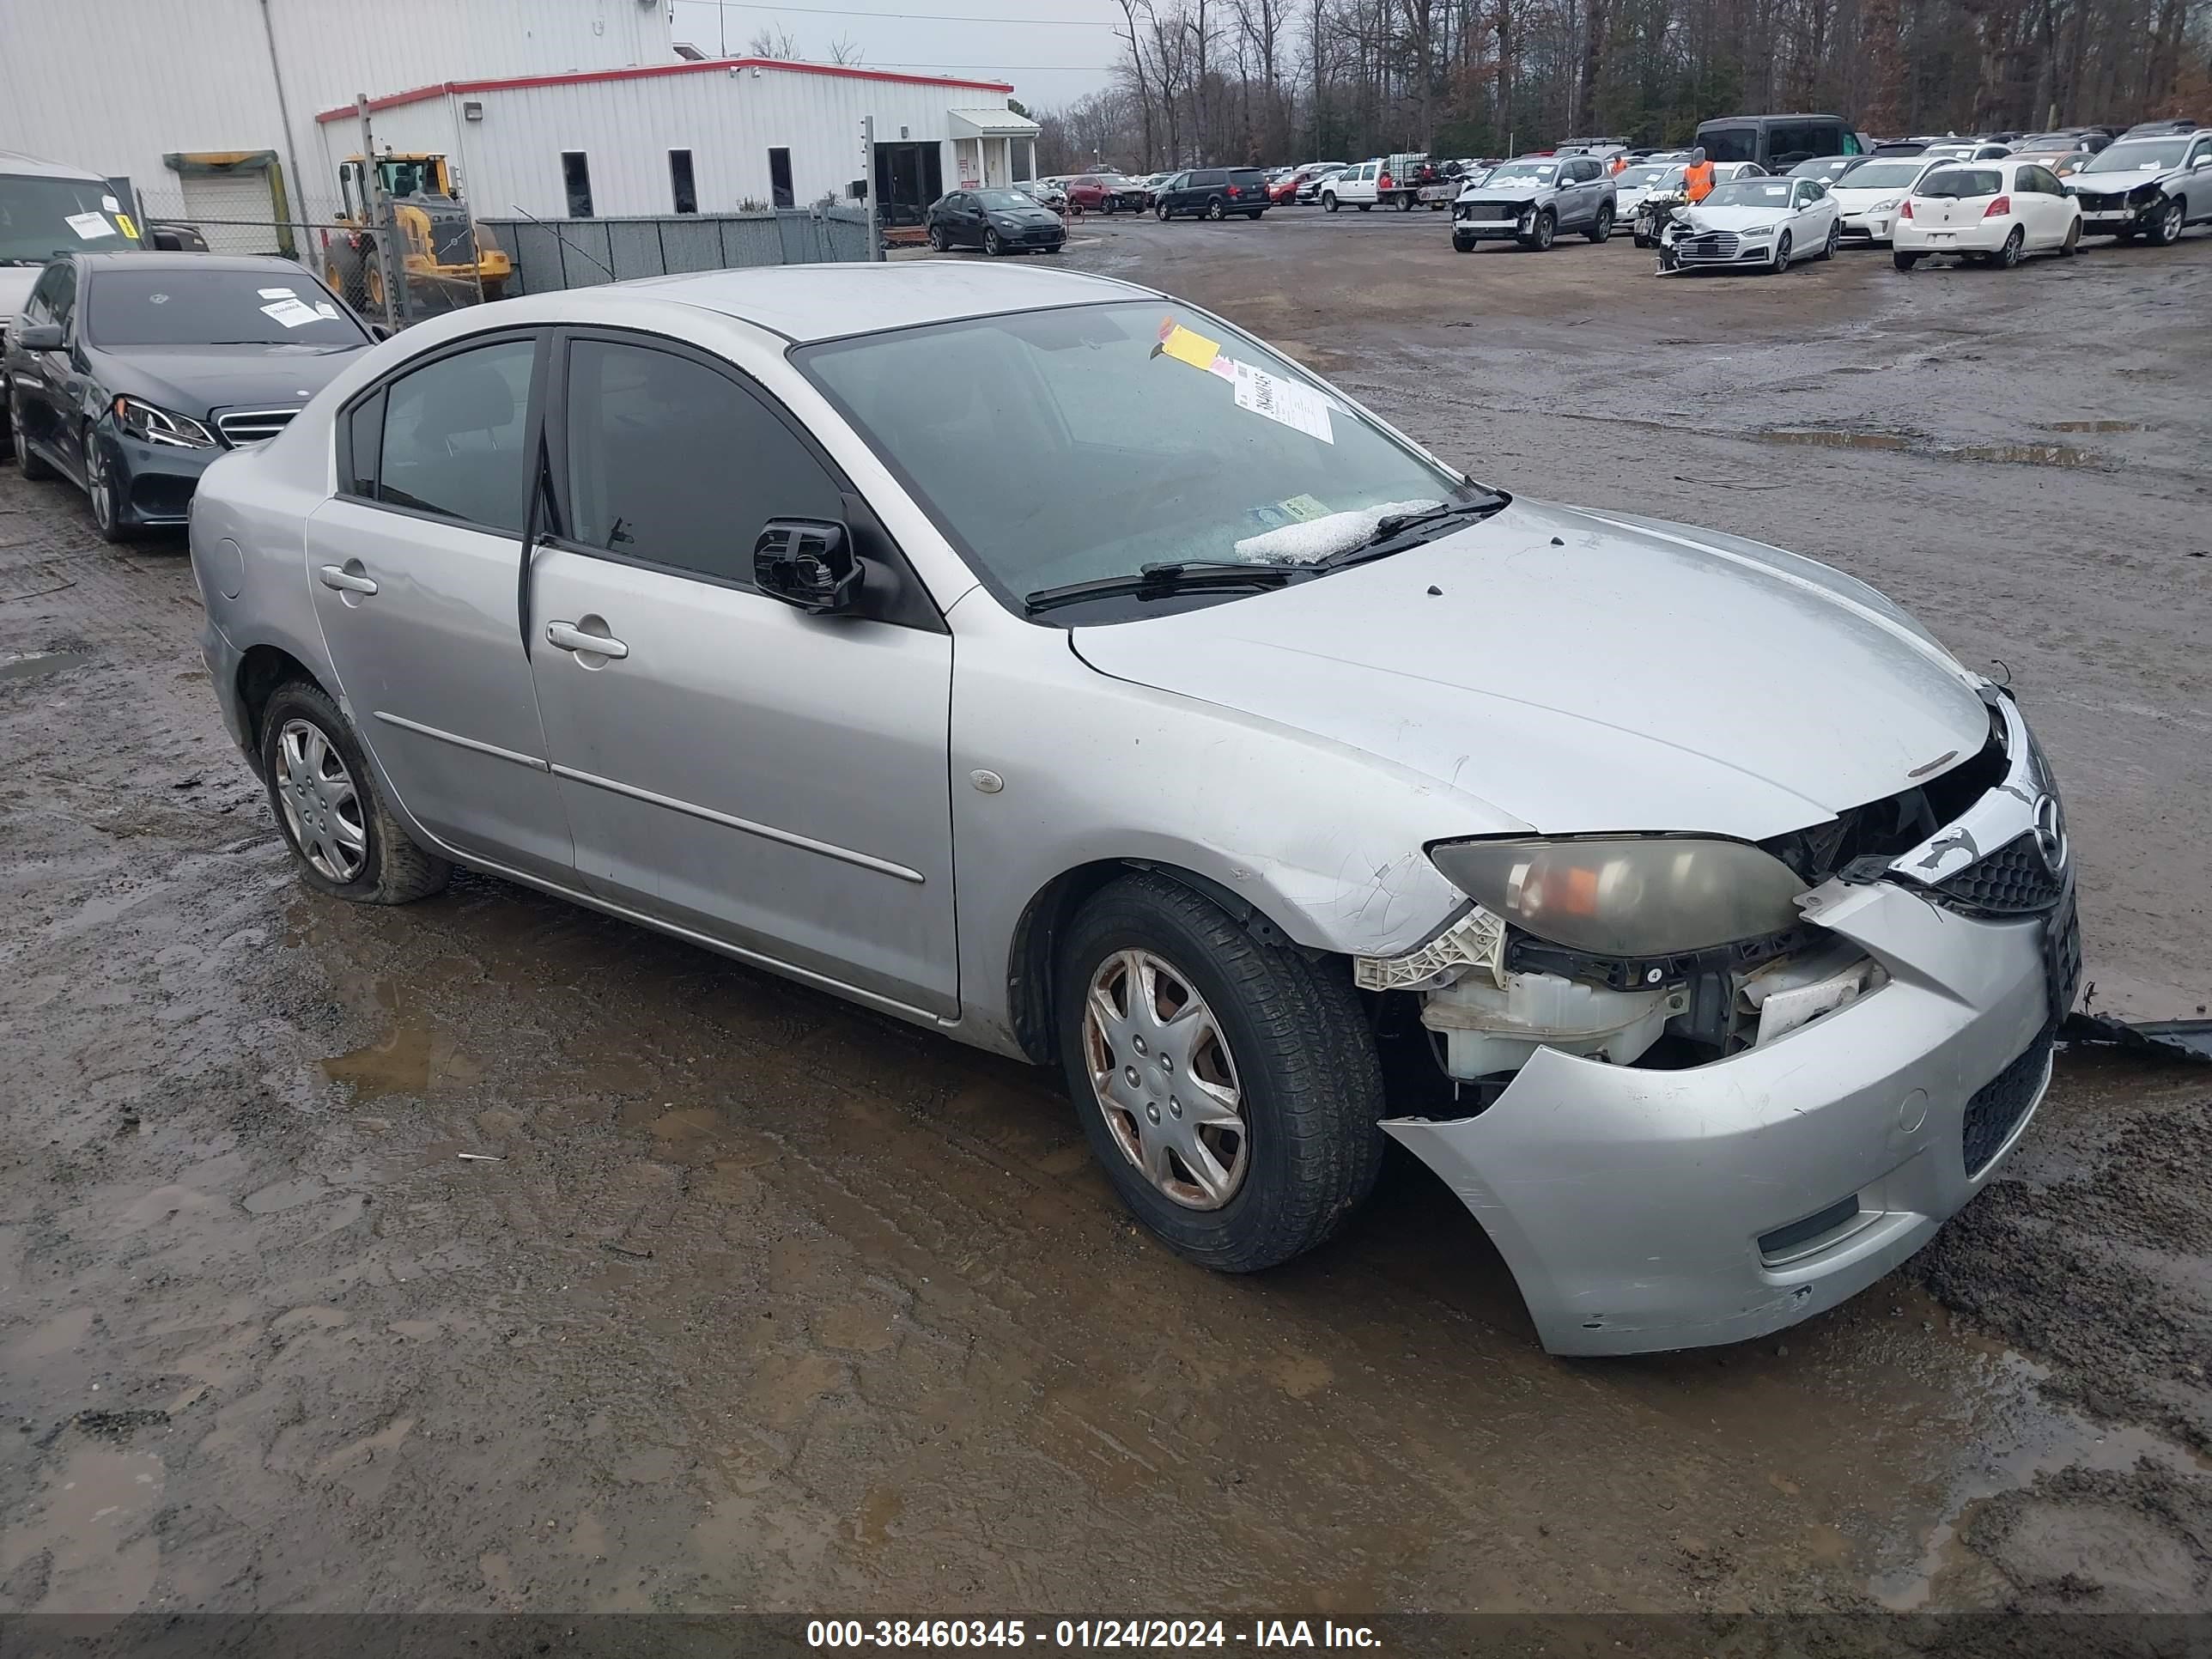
(1493, 212)
(2013, 881)
(241, 426)
(1998, 1105)
(1717, 247)
(2101, 203)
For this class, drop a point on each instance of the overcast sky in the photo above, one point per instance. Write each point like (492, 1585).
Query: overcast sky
(1052, 51)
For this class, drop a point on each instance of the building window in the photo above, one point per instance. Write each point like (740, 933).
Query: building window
(779, 178)
(576, 176)
(679, 181)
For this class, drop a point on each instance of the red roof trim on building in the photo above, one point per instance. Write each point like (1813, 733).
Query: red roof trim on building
(645, 72)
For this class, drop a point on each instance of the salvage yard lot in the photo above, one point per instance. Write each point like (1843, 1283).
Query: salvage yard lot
(774, 1303)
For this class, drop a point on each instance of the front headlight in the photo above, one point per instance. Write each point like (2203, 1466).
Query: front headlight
(1627, 895)
(1885, 204)
(155, 425)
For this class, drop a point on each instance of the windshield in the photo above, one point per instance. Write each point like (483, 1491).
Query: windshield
(2140, 153)
(1143, 434)
(1751, 192)
(1648, 177)
(408, 178)
(170, 307)
(42, 218)
(1541, 172)
(1955, 182)
(1003, 199)
(1882, 176)
(1823, 167)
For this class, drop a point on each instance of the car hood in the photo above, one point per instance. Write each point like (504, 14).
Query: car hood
(2116, 183)
(15, 284)
(1036, 216)
(1516, 188)
(1737, 218)
(1580, 671)
(194, 379)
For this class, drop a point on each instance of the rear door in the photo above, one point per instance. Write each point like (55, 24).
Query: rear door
(414, 567)
(773, 781)
(40, 396)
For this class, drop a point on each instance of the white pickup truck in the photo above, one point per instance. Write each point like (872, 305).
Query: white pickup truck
(1390, 180)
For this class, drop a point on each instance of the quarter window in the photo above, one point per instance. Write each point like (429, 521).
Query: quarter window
(672, 463)
(454, 437)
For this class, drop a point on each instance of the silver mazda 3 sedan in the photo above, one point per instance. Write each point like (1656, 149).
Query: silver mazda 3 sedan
(809, 614)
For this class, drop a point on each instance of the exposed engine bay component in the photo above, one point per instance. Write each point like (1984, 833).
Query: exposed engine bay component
(1477, 940)
(1797, 990)
(1488, 1029)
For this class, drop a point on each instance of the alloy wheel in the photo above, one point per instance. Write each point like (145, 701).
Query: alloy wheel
(937, 239)
(1160, 1066)
(991, 244)
(2169, 225)
(99, 483)
(1835, 240)
(1782, 253)
(2009, 255)
(322, 807)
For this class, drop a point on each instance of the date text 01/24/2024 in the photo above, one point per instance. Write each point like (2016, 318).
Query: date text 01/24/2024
(1086, 1633)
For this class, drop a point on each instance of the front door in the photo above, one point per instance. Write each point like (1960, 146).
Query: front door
(45, 397)
(774, 780)
(413, 567)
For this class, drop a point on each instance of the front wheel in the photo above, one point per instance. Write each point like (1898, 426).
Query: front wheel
(1781, 255)
(1541, 233)
(1462, 245)
(1161, 213)
(104, 490)
(1835, 241)
(333, 818)
(1109, 207)
(1229, 1087)
(937, 239)
(2072, 245)
(1366, 207)
(1328, 203)
(2171, 223)
(991, 244)
(1905, 261)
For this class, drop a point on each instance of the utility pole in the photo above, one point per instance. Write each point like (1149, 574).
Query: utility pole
(868, 178)
(381, 226)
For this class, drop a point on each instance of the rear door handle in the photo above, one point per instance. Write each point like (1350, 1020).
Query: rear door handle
(346, 581)
(569, 637)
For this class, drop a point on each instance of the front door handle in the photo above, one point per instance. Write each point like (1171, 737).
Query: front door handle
(569, 637)
(346, 581)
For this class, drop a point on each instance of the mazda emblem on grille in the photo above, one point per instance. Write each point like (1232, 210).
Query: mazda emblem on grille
(2050, 832)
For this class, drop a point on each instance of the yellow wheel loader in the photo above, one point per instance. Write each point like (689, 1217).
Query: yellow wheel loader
(445, 254)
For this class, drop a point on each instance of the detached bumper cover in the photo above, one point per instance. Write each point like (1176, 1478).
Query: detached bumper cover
(1631, 1205)
(156, 481)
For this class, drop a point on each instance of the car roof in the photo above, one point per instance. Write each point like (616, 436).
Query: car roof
(15, 161)
(823, 302)
(188, 261)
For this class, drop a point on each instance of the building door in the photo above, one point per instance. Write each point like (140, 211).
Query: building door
(233, 210)
(908, 178)
(968, 162)
(779, 179)
(996, 172)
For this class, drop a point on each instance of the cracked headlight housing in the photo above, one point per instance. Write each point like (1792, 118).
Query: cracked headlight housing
(1627, 895)
(150, 423)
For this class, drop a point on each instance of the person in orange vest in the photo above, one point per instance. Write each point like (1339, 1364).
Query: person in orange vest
(1697, 180)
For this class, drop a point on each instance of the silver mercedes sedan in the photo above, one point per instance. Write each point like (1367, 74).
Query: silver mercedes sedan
(808, 614)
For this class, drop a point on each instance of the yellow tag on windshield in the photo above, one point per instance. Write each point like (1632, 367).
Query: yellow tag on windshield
(1187, 346)
(129, 229)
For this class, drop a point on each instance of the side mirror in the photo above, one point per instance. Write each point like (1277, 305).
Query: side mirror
(41, 337)
(379, 330)
(2201, 162)
(808, 563)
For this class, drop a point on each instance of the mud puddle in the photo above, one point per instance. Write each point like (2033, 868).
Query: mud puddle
(2020, 454)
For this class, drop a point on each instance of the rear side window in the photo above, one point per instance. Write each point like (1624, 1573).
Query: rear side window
(672, 463)
(1962, 182)
(1208, 176)
(454, 436)
(1730, 144)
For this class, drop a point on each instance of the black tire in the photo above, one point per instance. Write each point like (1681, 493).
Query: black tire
(103, 493)
(2072, 245)
(2172, 221)
(1905, 261)
(1216, 211)
(1835, 241)
(1364, 207)
(1107, 206)
(1253, 215)
(1161, 213)
(991, 244)
(1404, 201)
(1462, 245)
(1329, 203)
(1601, 226)
(1304, 1060)
(937, 239)
(2009, 255)
(1538, 238)
(35, 467)
(395, 871)
(1781, 255)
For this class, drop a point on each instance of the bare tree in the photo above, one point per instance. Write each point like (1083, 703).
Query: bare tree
(846, 50)
(773, 41)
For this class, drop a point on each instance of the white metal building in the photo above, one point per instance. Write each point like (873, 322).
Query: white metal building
(210, 108)
(705, 137)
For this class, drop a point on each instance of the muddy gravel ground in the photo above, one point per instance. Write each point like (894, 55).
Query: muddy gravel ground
(767, 1302)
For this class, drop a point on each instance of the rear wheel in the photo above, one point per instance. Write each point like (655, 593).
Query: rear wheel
(34, 467)
(1215, 211)
(1229, 1087)
(2008, 256)
(332, 816)
(1905, 261)
(1161, 213)
(937, 238)
(1601, 226)
(1406, 201)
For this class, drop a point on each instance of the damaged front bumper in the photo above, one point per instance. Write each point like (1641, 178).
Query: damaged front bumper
(1642, 1209)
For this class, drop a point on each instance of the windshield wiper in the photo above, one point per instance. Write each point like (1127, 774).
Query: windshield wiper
(1401, 531)
(1159, 581)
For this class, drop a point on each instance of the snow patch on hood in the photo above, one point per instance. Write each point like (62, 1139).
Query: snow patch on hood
(1315, 539)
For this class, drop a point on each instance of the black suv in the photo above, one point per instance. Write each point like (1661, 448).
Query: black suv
(1217, 192)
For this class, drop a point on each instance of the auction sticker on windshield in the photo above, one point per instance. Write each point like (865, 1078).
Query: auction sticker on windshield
(89, 227)
(1295, 406)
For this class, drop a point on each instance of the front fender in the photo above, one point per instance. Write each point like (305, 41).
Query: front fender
(1324, 840)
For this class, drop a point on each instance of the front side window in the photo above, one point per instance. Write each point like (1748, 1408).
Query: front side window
(1001, 427)
(672, 463)
(175, 307)
(454, 437)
